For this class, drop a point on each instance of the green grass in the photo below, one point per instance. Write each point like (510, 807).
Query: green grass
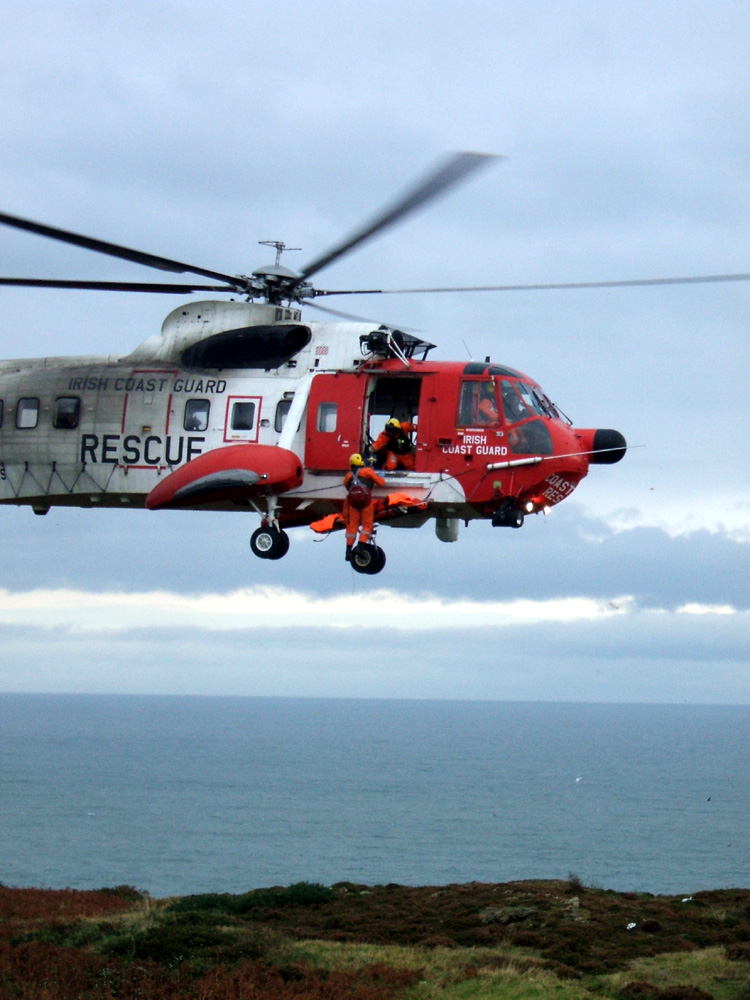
(708, 969)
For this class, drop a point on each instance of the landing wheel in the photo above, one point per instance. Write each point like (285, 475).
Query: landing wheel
(269, 543)
(369, 559)
(510, 517)
(515, 520)
(379, 561)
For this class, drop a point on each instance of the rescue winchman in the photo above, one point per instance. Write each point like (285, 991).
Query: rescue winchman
(359, 506)
(392, 447)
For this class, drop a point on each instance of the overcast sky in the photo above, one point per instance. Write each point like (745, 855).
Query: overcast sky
(195, 129)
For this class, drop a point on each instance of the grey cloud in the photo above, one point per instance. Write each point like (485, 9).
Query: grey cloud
(564, 555)
(634, 658)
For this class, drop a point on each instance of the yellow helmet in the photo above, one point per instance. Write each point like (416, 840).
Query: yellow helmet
(394, 423)
(357, 460)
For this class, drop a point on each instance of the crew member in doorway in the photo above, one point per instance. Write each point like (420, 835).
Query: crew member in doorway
(359, 506)
(393, 448)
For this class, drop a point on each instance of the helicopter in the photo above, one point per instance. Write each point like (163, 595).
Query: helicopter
(242, 405)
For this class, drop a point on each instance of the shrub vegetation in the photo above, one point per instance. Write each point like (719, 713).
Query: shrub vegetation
(351, 942)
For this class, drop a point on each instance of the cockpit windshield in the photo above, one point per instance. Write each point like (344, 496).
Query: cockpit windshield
(513, 405)
(521, 401)
(531, 399)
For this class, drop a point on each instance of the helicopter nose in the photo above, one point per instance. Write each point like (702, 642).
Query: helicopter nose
(608, 447)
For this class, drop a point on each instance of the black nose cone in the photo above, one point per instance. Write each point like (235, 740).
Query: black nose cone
(609, 447)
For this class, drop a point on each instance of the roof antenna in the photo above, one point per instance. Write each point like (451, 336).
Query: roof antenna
(279, 247)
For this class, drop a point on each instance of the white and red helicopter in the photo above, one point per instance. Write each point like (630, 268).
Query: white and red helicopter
(245, 406)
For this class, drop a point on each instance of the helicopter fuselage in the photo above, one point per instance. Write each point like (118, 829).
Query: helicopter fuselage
(244, 407)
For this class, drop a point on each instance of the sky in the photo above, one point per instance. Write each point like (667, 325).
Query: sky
(194, 129)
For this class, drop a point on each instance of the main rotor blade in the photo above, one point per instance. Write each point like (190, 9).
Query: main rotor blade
(450, 172)
(113, 286)
(112, 249)
(343, 315)
(702, 279)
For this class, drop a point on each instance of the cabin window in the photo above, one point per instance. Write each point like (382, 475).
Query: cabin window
(282, 411)
(196, 414)
(67, 412)
(327, 416)
(243, 416)
(27, 413)
(477, 405)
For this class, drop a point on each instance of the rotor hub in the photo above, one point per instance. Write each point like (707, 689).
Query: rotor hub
(277, 283)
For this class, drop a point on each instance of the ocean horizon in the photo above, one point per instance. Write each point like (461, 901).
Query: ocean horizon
(185, 794)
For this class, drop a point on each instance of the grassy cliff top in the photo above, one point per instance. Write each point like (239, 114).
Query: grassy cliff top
(354, 942)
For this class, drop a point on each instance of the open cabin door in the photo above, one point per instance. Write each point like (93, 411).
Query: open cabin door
(334, 421)
(407, 397)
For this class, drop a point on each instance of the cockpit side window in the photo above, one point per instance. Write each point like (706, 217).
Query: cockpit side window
(467, 406)
(477, 406)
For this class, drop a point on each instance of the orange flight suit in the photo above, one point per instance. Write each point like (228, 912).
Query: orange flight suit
(487, 413)
(399, 454)
(360, 520)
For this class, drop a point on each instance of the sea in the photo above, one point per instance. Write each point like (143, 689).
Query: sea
(180, 795)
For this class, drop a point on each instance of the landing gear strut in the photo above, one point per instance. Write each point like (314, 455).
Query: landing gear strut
(268, 542)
